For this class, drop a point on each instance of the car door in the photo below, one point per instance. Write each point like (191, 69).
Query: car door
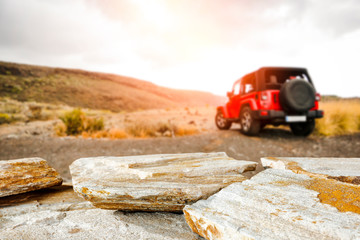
(233, 105)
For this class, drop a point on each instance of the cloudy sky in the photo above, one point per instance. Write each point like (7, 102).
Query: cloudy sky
(188, 44)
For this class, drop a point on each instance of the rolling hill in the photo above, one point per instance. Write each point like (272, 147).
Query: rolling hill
(94, 90)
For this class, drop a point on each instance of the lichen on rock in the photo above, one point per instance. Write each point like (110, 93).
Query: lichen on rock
(26, 174)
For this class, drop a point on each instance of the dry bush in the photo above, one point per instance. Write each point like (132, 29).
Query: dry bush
(35, 111)
(100, 134)
(76, 123)
(117, 134)
(183, 131)
(60, 129)
(93, 124)
(161, 129)
(340, 117)
(141, 129)
(5, 118)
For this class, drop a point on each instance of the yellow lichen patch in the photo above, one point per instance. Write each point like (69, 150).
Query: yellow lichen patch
(85, 190)
(345, 197)
(24, 175)
(332, 190)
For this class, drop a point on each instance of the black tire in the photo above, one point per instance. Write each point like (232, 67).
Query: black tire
(221, 122)
(249, 125)
(303, 128)
(297, 96)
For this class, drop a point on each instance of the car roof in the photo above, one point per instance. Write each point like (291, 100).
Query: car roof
(282, 68)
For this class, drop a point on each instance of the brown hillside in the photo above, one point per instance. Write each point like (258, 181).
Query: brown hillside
(93, 90)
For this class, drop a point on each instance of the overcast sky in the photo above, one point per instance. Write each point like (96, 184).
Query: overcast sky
(188, 44)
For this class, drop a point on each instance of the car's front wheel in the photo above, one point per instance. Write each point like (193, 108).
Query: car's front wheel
(221, 122)
(303, 128)
(249, 125)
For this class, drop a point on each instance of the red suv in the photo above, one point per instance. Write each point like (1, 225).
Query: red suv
(272, 95)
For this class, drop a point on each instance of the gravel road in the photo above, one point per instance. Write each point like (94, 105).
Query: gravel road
(61, 152)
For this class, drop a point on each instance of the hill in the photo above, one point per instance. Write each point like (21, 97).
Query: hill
(94, 90)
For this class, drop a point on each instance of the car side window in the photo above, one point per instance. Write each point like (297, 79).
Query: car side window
(248, 84)
(237, 89)
(248, 88)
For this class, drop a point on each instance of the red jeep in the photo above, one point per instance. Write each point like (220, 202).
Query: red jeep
(272, 95)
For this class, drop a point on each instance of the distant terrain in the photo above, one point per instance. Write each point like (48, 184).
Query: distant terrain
(93, 90)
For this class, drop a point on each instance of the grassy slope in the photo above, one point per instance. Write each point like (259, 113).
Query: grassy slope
(93, 90)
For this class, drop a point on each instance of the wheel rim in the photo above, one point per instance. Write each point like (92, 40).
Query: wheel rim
(220, 120)
(246, 121)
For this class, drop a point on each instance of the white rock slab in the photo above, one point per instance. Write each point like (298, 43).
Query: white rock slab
(165, 182)
(26, 174)
(276, 204)
(335, 167)
(58, 213)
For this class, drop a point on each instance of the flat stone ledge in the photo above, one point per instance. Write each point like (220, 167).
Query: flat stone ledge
(164, 182)
(278, 204)
(26, 174)
(342, 169)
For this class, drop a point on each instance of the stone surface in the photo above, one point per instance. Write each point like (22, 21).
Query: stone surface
(279, 204)
(334, 167)
(58, 213)
(165, 182)
(27, 174)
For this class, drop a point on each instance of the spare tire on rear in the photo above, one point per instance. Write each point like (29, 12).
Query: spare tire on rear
(297, 96)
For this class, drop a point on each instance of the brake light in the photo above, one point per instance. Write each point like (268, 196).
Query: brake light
(317, 97)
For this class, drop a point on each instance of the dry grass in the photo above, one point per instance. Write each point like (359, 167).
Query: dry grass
(160, 129)
(141, 129)
(340, 117)
(76, 122)
(17, 111)
(102, 123)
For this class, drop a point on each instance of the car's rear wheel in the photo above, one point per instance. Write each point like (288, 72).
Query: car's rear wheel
(221, 122)
(303, 128)
(249, 125)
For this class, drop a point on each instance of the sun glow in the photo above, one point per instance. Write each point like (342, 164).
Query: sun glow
(156, 13)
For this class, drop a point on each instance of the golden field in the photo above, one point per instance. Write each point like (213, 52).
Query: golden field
(340, 117)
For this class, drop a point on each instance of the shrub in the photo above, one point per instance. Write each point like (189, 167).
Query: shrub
(117, 134)
(60, 129)
(35, 112)
(141, 130)
(4, 118)
(74, 121)
(93, 124)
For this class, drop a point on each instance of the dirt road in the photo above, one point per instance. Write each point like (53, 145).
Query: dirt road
(61, 152)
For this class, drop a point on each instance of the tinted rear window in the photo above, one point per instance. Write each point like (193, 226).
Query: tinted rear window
(275, 78)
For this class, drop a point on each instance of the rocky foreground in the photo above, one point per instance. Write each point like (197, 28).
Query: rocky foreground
(24, 175)
(165, 182)
(299, 198)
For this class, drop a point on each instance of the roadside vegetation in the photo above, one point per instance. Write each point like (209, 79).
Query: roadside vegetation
(77, 123)
(341, 117)
(16, 111)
